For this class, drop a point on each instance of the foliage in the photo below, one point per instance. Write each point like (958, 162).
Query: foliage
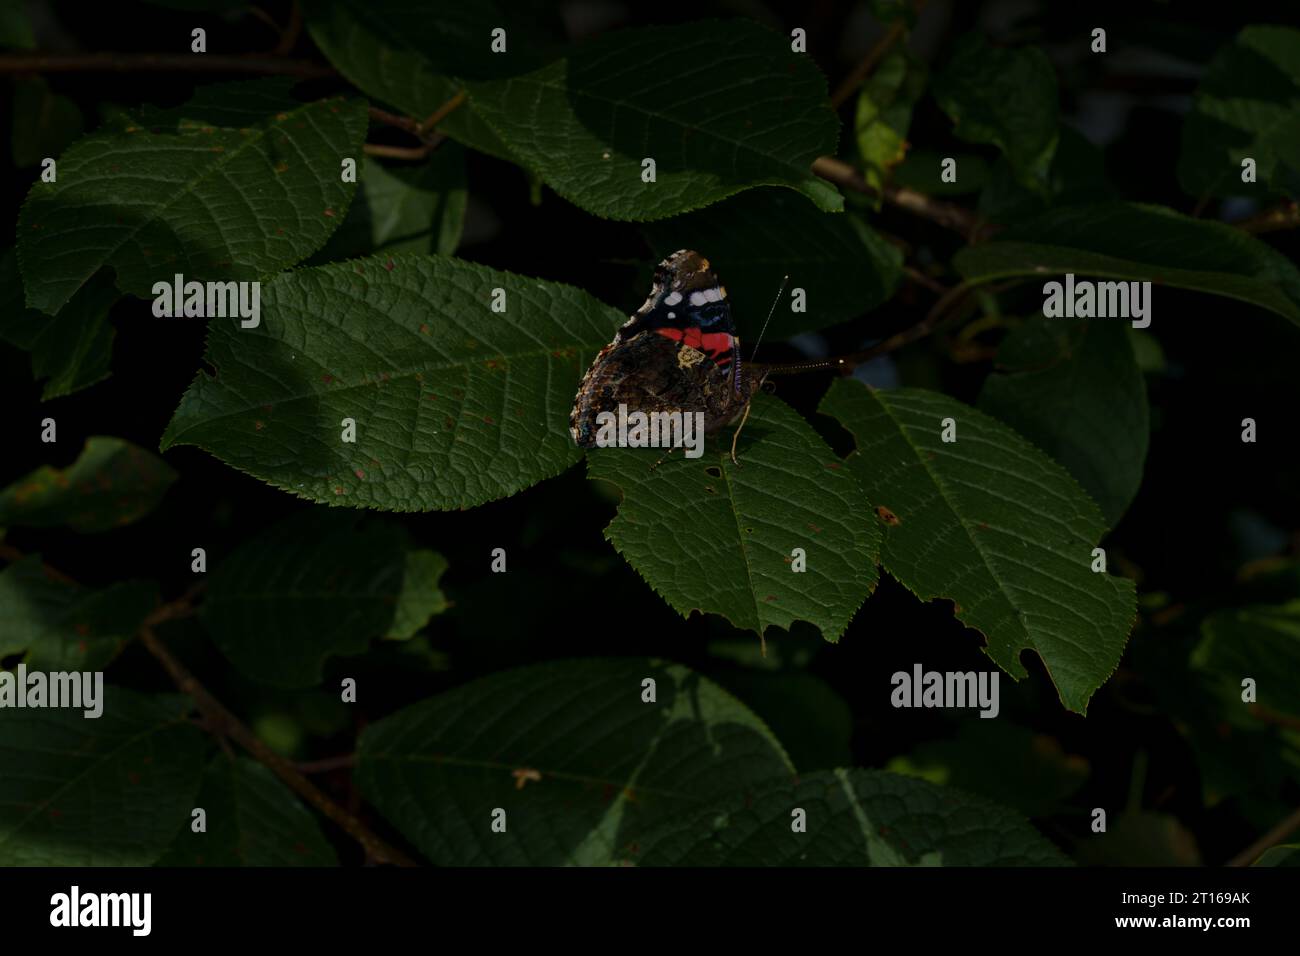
(368, 531)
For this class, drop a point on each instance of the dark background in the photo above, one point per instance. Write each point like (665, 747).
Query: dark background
(1208, 506)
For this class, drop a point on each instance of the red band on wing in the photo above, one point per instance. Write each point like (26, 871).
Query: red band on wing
(717, 345)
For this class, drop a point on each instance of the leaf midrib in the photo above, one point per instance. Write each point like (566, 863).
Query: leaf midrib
(941, 488)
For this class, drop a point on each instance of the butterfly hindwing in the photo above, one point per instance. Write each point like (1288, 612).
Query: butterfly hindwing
(678, 352)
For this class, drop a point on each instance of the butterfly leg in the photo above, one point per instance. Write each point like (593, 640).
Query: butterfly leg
(736, 437)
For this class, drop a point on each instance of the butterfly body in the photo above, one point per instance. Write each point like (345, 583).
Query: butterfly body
(678, 352)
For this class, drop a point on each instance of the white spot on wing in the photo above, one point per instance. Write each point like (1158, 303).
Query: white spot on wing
(672, 298)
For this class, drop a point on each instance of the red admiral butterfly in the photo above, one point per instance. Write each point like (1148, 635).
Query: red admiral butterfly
(678, 352)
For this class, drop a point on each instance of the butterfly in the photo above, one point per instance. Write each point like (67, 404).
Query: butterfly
(678, 352)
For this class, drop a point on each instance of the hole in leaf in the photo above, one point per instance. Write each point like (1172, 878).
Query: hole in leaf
(714, 471)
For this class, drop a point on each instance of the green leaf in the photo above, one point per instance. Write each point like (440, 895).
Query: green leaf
(112, 483)
(1246, 106)
(238, 184)
(73, 349)
(253, 820)
(16, 26)
(66, 627)
(1120, 240)
(44, 122)
(1288, 854)
(992, 524)
(710, 536)
(1077, 176)
(854, 818)
(319, 583)
(105, 791)
(609, 765)
(844, 267)
(885, 114)
(742, 110)
(373, 46)
(1074, 389)
(454, 404)
(420, 597)
(1002, 761)
(1259, 642)
(812, 721)
(1006, 97)
(405, 209)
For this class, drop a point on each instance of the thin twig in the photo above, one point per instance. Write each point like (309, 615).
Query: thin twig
(441, 113)
(1273, 717)
(863, 70)
(403, 152)
(1272, 838)
(1286, 216)
(395, 119)
(11, 554)
(327, 764)
(430, 139)
(959, 220)
(921, 279)
(289, 38)
(232, 727)
(254, 63)
(222, 723)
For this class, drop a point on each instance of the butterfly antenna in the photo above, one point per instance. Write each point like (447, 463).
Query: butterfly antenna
(805, 366)
(763, 330)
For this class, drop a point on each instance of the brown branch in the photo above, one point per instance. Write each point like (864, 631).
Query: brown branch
(231, 726)
(950, 216)
(1260, 712)
(11, 554)
(429, 138)
(222, 723)
(1286, 216)
(442, 112)
(289, 38)
(403, 152)
(251, 63)
(394, 119)
(921, 279)
(863, 70)
(327, 764)
(1272, 838)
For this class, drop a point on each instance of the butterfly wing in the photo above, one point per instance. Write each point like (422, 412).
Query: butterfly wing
(678, 352)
